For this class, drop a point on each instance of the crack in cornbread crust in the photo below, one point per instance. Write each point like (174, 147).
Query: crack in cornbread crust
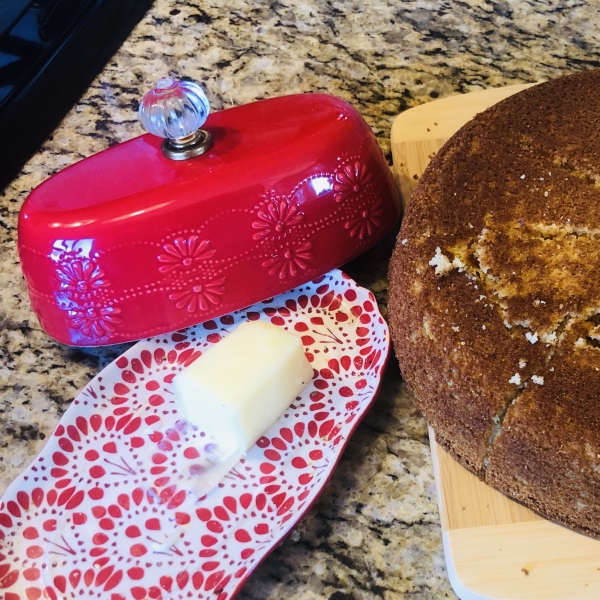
(512, 202)
(559, 420)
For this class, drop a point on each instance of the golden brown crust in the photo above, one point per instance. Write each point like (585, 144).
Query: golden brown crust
(493, 292)
(547, 455)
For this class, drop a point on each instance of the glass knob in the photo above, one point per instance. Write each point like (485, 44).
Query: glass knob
(176, 110)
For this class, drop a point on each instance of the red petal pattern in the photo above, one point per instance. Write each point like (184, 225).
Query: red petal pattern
(113, 488)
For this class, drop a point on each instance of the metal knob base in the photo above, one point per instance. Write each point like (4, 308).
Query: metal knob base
(190, 146)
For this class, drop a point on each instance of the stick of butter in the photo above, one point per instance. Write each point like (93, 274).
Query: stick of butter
(240, 386)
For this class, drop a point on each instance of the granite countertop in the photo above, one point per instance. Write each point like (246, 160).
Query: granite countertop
(375, 531)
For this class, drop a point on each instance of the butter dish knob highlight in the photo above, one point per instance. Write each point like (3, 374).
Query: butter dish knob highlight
(176, 110)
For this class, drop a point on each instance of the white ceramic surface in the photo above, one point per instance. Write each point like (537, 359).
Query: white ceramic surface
(106, 510)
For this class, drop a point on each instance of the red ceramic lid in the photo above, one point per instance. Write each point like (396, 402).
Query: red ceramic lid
(128, 243)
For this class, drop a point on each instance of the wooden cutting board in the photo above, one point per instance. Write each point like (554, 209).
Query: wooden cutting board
(494, 547)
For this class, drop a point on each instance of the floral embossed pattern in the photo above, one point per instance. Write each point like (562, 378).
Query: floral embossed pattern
(350, 180)
(108, 510)
(289, 261)
(366, 222)
(200, 296)
(183, 252)
(277, 217)
(83, 290)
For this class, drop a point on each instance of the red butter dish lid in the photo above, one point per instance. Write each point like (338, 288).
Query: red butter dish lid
(154, 235)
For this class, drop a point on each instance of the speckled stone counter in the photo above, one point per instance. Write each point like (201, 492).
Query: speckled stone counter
(375, 531)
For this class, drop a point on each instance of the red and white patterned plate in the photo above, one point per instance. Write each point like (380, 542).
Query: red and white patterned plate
(105, 511)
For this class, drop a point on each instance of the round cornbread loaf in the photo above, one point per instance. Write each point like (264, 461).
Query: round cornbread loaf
(494, 301)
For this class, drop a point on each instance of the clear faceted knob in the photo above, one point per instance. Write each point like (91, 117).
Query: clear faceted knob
(176, 110)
